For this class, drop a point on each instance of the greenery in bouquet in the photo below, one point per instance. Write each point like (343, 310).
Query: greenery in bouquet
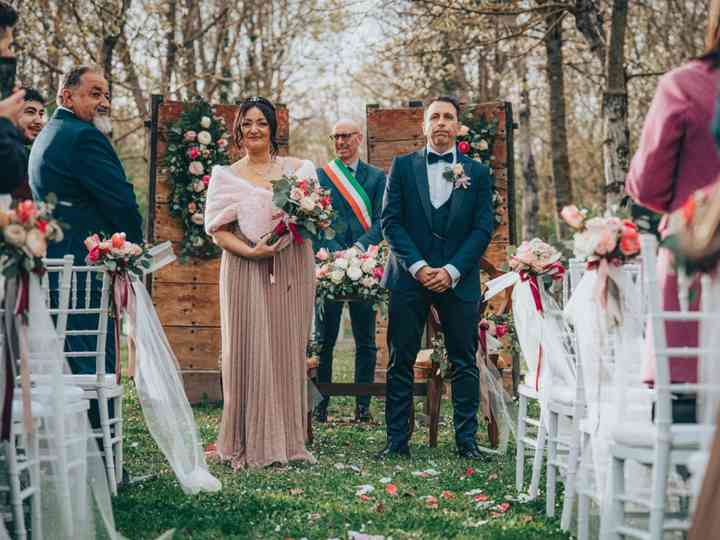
(196, 142)
(502, 328)
(477, 141)
(351, 274)
(27, 229)
(306, 209)
(117, 255)
(602, 238)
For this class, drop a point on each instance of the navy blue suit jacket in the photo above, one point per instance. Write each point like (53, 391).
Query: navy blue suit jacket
(12, 157)
(406, 223)
(75, 161)
(372, 180)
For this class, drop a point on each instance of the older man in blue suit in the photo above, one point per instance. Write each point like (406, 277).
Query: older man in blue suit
(357, 189)
(74, 160)
(437, 217)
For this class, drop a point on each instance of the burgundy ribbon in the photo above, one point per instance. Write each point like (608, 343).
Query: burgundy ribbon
(121, 291)
(483, 327)
(535, 290)
(22, 305)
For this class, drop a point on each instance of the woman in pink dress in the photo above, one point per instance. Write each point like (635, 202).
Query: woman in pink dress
(676, 156)
(265, 323)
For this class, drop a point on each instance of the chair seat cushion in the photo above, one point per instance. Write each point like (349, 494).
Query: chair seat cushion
(90, 380)
(71, 393)
(642, 434)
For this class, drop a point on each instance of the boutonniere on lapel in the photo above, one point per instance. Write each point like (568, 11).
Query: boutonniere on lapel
(456, 175)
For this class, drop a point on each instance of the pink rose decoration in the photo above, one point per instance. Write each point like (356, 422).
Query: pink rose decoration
(190, 136)
(606, 243)
(322, 254)
(572, 216)
(378, 272)
(92, 242)
(206, 180)
(193, 153)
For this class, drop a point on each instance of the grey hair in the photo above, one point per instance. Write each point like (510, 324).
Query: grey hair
(72, 78)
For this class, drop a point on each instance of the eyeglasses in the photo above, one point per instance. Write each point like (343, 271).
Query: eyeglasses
(341, 136)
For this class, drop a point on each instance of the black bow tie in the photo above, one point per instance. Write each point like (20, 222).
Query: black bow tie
(434, 158)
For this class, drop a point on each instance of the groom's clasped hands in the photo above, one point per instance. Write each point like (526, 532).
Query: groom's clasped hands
(434, 279)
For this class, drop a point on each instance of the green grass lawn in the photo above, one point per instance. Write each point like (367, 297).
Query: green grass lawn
(321, 501)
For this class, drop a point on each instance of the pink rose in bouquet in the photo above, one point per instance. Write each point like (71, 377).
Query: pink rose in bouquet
(534, 256)
(572, 216)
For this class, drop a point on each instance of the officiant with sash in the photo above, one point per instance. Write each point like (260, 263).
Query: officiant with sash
(357, 192)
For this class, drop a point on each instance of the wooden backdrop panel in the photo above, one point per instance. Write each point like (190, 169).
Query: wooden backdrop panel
(186, 295)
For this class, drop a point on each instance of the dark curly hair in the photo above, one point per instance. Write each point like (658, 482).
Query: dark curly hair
(8, 16)
(268, 111)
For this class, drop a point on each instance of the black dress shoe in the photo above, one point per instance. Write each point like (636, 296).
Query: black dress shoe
(320, 415)
(362, 414)
(391, 451)
(471, 451)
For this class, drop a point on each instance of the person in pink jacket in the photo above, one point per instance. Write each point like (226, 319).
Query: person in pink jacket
(676, 156)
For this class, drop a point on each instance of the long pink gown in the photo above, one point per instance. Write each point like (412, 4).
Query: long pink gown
(265, 328)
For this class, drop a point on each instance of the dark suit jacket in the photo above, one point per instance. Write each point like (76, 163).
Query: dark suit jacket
(372, 180)
(75, 161)
(406, 223)
(12, 157)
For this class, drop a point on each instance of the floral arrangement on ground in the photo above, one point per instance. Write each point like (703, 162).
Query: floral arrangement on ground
(351, 274)
(196, 142)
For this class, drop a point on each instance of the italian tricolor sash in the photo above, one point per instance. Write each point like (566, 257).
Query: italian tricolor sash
(351, 190)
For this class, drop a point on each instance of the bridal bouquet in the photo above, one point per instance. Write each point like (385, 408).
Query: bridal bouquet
(307, 210)
(26, 231)
(351, 274)
(608, 238)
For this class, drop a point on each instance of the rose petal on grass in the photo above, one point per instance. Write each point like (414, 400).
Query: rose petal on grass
(473, 492)
(493, 476)
(447, 495)
(503, 507)
(297, 491)
(430, 501)
(391, 490)
(481, 497)
(364, 489)
(469, 471)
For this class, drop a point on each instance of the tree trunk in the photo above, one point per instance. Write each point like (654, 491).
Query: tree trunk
(616, 134)
(556, 106)
(530, 200)
(170, 48)
(589, 23)
(132, 78)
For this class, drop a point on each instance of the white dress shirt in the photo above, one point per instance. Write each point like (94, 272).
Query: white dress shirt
(440, 191)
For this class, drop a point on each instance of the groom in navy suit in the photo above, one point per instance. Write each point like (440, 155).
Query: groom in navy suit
(437, 217)
(73, 159)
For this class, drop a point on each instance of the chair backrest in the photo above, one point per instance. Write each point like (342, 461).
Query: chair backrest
(657, 317)
(55, 283)
(87, 315)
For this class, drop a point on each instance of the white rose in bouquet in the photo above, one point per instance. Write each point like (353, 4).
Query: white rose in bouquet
(198, 218)
(36, 243)
(584, 244)
(296, 194)
(368, 266)
(204, 137)
(196, 168)
(368, 282)
(205, 122)
(322, 254)
(342, 263)
(198, 186)
(354, 273)
(14, 234)
(337, 276)
(307, 204)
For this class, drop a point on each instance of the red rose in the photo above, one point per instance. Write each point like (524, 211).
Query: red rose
(464, 147)
(94, 255)
(326, 201)
(206, 180)
(378, 272)
(193, 153)
(500, 330)
(42, 225)
(629, 241)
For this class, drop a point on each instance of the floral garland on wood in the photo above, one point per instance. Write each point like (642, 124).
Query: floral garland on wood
(196, 142)
(477, 141)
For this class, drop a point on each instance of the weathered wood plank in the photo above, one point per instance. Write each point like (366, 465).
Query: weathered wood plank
(202, 386)
(394, 124)
(187, 304)
(195, 347)
(166, 226)
(191, 271)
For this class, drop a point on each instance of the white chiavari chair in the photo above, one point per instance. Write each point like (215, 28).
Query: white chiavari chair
(659, 444)
(88, 300)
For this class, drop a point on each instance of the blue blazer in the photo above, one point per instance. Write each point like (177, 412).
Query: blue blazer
(372, 180)
(75, 161)
(406, 223)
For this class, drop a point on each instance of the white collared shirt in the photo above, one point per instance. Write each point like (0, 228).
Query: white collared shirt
(440, 191)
